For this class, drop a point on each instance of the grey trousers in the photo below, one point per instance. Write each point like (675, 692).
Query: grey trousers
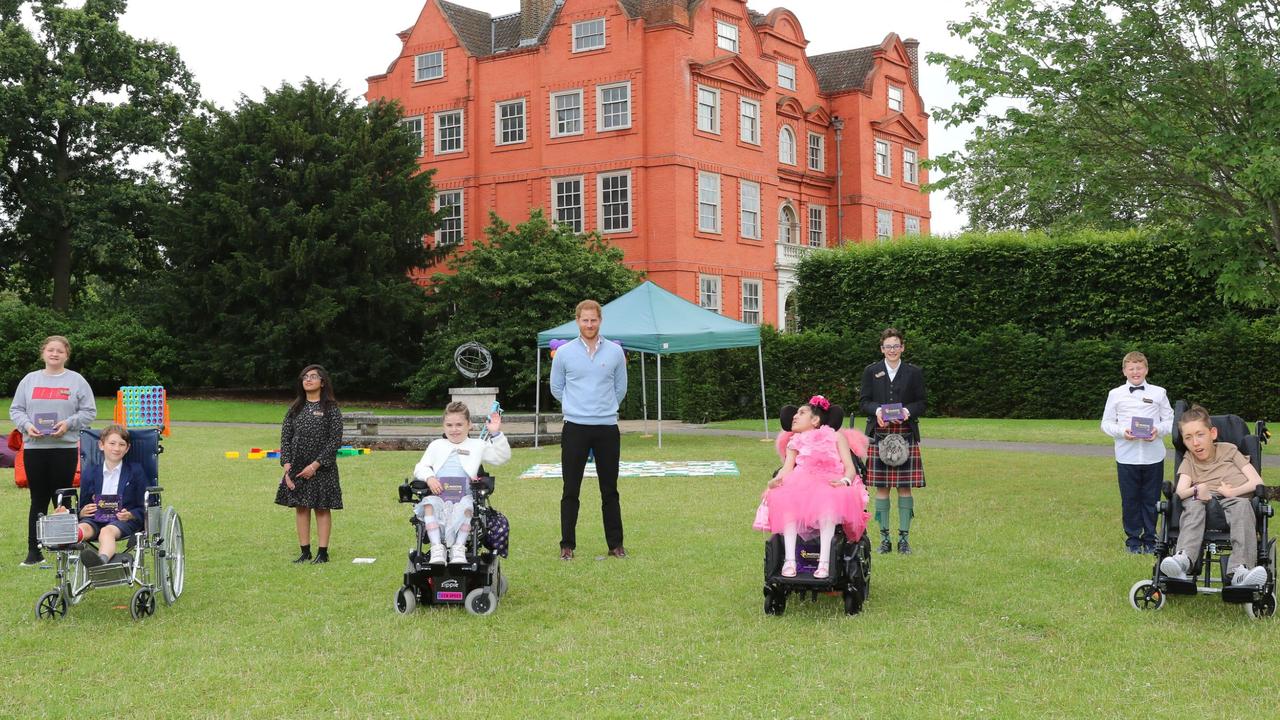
(1244, 535)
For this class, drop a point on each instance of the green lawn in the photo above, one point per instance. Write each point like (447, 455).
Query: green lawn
(1015, 605)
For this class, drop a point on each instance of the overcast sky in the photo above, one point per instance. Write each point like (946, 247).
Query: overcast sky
(240, 47)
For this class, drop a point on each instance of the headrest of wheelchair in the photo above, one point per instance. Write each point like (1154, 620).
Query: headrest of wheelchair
(835, 417)
(144, 449)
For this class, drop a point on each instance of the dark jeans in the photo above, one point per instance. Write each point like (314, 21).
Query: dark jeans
(48, 470)
(605, 443)
(1139, 493)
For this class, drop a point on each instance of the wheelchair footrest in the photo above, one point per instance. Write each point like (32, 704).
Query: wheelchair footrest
(802, 580)
(1180, 587)
(109, 575)
(1237, 595)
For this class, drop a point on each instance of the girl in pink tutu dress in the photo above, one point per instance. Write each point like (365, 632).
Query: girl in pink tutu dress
(816, 488)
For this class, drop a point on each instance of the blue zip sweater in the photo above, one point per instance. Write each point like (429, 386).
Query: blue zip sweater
(588, 387)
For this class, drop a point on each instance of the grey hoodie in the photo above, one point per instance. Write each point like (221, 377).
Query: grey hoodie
(66, 394)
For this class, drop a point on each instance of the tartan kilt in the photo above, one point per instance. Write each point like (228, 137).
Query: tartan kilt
(909, 474)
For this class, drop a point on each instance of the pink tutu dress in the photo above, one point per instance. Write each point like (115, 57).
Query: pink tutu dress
(806, 495)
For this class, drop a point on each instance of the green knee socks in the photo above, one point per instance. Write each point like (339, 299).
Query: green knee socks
(882, 514)
(906, 511)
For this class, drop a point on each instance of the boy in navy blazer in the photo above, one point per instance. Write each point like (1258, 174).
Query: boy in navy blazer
(112, 478)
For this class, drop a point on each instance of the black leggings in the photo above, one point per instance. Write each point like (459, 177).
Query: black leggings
(48, 471)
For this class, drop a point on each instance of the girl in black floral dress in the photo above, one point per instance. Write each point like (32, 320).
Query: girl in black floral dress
(309, 440)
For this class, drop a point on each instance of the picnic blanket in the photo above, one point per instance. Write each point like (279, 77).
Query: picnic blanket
(647, 468)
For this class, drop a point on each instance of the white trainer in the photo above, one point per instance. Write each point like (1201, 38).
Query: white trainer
(437, 554)
(458, 555)
(1175, 566)
(1245, 577)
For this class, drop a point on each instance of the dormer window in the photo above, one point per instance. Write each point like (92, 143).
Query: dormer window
(588, 35)
(786, 76)
(428, 66)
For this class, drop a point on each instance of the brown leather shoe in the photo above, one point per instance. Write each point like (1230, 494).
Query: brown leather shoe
(566, 553)
(618, 552)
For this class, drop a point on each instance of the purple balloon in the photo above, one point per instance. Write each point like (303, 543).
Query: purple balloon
(554, 344)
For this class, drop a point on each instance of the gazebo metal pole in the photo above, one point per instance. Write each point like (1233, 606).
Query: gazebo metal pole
(644, 394)
(764, 408)
(659, 401)
(537, 393)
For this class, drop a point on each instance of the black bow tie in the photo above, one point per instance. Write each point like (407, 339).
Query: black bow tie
(1136, 388)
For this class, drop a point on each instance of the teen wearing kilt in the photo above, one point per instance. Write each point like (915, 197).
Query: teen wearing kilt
(889, 465)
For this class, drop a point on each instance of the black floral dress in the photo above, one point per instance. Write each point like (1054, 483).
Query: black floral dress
(312, 436)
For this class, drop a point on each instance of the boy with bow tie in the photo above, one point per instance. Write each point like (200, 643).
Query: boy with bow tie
(1140, 455)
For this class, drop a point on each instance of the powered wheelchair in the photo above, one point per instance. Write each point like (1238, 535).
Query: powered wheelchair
(850, 557)
(479, 583)
(153, 559)
(1216, 549)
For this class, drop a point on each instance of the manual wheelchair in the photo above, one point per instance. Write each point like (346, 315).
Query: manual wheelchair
(1216, 548)
(850, 564)
(153, 559)
(476, 585)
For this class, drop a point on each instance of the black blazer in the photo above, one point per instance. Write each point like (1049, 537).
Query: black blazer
(907, 388)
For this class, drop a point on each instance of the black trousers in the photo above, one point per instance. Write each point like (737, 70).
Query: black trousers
(1139, 493)
(604, 442)
(48, 470)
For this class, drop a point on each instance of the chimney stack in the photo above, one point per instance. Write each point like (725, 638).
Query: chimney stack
(913, 52)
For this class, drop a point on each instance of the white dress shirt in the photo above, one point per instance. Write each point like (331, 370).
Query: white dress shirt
(892, 371)
(1124, 405)
(111, 479)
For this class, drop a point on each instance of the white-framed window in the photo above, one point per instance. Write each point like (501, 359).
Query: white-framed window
(415, 126)
(709, 292)
(749, 202)
(588, 35)
(708, 202)
(428, 66)
(884, 224)
(786, 75)
(613, 106)
(882, 159)
(614, 193)
(895, 98)
(726, 36)
(566, 202)
(749, 121)
(817, 226)
(910, 225)
(448, 131)
(708, 110)
(450, 230)
(788, 228)
(566, 113)
(910, 166)
(817, 151)
(751, 301)
(787, 146)
(510, 122)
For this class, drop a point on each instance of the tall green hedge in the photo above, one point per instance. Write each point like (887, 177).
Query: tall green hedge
(1089, 284)
(1231, 365)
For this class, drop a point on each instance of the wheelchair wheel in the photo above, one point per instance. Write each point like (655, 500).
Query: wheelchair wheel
(406, 600)
(775, 602)
(143, 604)
(51, 605)
(171, 563)
(1144, 595)
(852, 602)
(481, 601)
(1266, 607)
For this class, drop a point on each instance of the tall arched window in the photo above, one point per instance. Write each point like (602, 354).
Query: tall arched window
(788, 228)
(786, 146)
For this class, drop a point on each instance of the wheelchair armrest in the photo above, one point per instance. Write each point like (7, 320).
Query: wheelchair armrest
(155, 489)
(485, 483)
(67, 498)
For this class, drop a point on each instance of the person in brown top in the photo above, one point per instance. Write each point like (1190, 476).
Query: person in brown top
(1219, 470)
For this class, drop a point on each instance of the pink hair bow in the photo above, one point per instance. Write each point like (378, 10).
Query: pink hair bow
(819, 401)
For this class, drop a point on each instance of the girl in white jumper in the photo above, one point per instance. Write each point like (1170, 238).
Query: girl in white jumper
(455, 457)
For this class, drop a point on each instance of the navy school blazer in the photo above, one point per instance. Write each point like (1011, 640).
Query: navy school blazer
(133, 484)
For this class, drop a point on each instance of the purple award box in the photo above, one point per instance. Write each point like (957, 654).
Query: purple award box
(1142, 428)
(108, 506)
(892, 412)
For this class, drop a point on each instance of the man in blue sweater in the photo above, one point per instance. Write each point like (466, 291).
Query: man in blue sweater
(589, 378)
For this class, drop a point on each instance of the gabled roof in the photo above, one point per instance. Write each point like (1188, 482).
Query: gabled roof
(897, 124)
(731, 69)
(845, 69)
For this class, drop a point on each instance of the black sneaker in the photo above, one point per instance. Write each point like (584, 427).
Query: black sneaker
(321, 558)
(886, 547)
(90, 558)
(904, 547)
(304, 557)
(33, 558)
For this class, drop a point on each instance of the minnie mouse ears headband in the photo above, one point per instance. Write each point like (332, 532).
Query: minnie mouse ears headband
(834, 413)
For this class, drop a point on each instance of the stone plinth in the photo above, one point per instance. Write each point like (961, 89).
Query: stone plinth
(479, 400)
